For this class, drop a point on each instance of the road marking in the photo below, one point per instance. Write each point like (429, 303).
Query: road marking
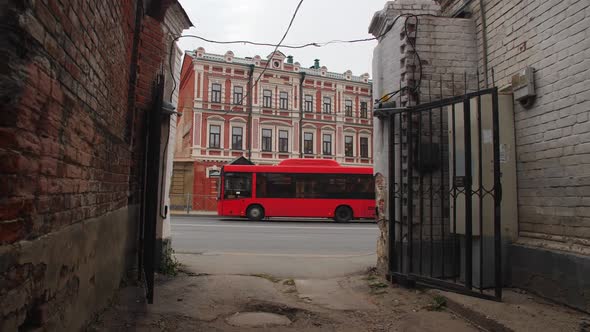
(276, 227)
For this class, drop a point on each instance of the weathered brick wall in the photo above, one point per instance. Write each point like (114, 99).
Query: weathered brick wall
(552, 137)
(71, 149)
(447, 51)
(65, 157)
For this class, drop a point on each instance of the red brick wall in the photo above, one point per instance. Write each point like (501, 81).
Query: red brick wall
(185, 106)
(71, 150)
(205, 189)
(63, 147)
(64, 144)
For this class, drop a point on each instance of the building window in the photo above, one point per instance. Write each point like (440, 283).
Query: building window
(214, 136)
(283, 100)
(348, 107)
(238, 95)
(348, 146)
(216, 93)
(327, 105)
(364, 147)
(308, 143)
(308, 103)
(327, 144)
(266, 139)
(266, 98)
(236, 138)
(363, 109)
(283, 141)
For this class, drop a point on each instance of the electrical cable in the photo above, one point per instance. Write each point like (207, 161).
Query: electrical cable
(315, 44)
(268, 61)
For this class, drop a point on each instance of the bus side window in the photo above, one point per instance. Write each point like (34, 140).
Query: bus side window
(238, 185)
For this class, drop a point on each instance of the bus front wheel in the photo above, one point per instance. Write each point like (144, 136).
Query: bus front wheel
(255, 212)
(343, 214)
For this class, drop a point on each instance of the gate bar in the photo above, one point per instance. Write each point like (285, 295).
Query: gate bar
(391, 196)
(468, 194)
(410, 202)
(497, 196)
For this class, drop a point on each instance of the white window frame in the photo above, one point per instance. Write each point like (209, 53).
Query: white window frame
(313, 132)
(289, 139)
(211, 91)
(216, 121)
(311, 110)
(238, 122)
(272, 141)
(366, 134)
(354, 143)
(233, 86)
(272, 97)
(288, 100)
(331, 131)
(331, 104)
(360, 108)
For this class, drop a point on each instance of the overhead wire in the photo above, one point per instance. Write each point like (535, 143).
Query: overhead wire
(268, 61)
(300, 46)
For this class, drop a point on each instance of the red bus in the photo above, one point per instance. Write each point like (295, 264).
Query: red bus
(297, 188)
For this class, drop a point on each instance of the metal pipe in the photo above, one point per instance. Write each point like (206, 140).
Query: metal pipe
(484, 42)
(251, 88)
(468, 194)
(301, 81)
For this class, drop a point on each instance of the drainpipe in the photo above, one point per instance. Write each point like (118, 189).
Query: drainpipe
(250, 91)
(301, 114)
(484, 37)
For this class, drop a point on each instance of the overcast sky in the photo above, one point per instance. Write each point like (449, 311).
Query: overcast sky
(266, 21)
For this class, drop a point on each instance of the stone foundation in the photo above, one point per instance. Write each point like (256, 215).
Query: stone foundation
(58, 281)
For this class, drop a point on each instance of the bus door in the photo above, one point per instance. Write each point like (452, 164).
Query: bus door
(237, 191)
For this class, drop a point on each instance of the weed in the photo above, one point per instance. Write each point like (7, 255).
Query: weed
(370, 277)
(438, 303)
(169, 265)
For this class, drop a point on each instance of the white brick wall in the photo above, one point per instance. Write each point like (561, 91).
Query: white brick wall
(553, 136)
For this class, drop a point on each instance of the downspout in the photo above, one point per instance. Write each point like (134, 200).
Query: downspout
(484, 37)
(301, 114)
(251, 90)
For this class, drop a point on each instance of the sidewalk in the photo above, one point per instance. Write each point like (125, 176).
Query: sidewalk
(195, 301)
(193, 213)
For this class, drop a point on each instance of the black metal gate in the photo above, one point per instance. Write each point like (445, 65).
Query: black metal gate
(151, 176)
(444, 194)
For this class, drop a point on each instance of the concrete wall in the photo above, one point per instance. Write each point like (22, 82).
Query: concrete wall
(60, 279)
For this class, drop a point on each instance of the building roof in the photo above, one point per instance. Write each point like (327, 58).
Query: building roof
(307, 71)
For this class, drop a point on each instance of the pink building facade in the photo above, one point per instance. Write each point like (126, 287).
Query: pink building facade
(291, 112)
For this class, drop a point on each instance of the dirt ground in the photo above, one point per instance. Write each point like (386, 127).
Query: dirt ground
(362, 302)
(190, 302)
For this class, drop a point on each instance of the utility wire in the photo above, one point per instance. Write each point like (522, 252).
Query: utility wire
(314, 44)
(268, 61)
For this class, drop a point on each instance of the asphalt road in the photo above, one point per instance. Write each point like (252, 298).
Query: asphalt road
(282, 247)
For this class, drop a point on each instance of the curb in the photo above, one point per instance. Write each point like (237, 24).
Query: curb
(472, 316)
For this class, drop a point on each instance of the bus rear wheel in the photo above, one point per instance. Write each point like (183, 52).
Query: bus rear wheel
(255, 212)
(343, 214)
